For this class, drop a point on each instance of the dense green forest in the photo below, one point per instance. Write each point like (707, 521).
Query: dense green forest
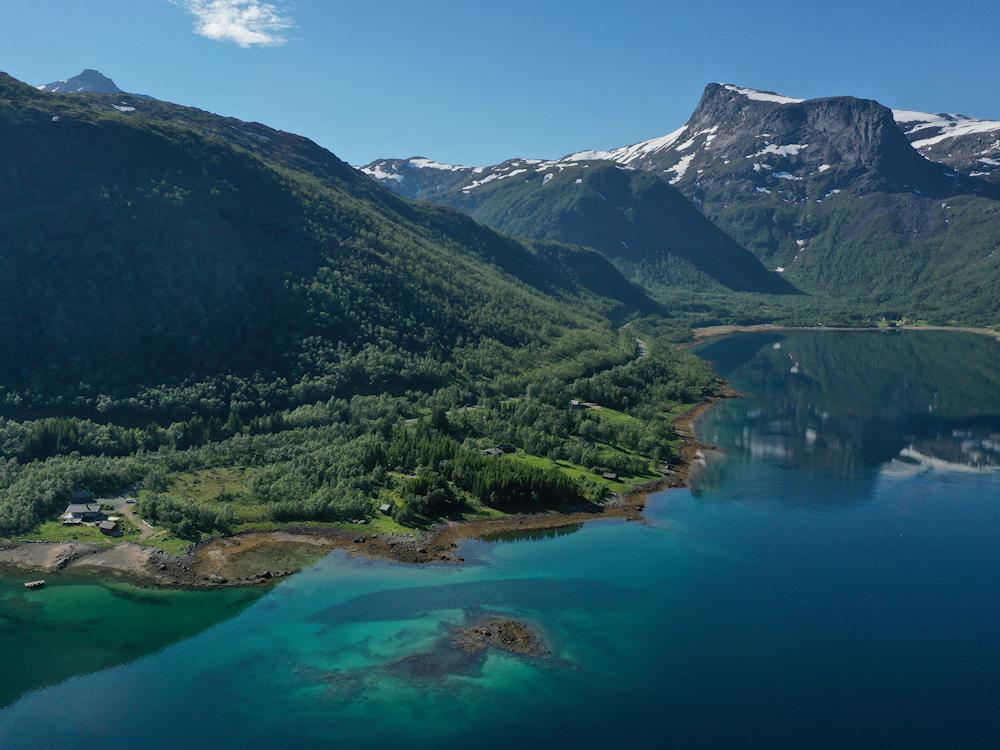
(335, 460)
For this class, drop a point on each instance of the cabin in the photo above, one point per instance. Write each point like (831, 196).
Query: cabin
(108, 528)
(574, 403)
(385, 509)
(77, 513)
(492, 452)
(610, 476)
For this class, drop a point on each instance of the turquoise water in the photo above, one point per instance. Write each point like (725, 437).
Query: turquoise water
(833, 580)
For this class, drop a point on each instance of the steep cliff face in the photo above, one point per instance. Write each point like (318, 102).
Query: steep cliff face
(742, 139)
(831, 193)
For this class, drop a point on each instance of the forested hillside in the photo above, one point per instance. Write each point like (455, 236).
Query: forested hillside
(148, 246)
(637, 220)
(243, 329)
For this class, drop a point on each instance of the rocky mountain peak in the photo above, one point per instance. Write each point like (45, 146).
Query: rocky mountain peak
(88, 81)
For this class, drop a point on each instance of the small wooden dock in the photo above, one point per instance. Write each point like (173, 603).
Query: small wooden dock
(32, 585)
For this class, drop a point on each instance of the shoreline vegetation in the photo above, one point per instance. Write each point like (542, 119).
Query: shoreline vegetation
(561, 428)
(257, 556)
(262, 556)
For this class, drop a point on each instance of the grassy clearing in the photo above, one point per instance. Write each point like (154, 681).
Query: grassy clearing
(575, 471)
(379, 524)
(222, 487)
(54, 531)
(607, 414)
(210, 485)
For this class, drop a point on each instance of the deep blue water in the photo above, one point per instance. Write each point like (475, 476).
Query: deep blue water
(832, 580)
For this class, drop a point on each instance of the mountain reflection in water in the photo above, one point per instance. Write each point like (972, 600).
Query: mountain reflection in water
(858, 399)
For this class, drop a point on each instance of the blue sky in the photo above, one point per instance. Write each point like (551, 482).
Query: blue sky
(478, 81)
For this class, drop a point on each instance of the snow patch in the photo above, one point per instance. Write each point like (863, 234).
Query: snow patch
(680, 168)
(629, 154)
(791, 149)
(762, 96)
(946, 126)
(422, 163)
(380, 174)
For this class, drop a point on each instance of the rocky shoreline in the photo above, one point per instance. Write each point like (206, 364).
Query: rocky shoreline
(261, 557)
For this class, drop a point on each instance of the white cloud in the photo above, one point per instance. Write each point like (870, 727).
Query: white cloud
(244, 22)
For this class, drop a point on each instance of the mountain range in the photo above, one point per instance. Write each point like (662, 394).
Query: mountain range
(641, 223)
(840, 198)
(831, 193)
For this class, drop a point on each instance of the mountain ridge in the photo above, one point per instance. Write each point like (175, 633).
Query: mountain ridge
(638, 221)
(828, 192)
(169, 244)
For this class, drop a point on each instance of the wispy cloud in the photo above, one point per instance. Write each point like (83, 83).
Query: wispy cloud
(247, 23)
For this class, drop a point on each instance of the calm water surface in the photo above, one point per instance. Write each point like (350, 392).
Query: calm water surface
(833, 580)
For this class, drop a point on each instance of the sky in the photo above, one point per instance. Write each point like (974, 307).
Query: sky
(479, 81)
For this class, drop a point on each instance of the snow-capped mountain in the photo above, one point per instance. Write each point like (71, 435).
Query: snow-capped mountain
(89, 81)
(419, 177)
(745, 140)
(634, 218)
(753, 140)
(969, 145)
(829, 192)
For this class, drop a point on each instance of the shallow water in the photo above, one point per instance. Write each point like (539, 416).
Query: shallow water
(831, 581)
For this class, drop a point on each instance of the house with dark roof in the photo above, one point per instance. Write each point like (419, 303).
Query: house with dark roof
(81, 513)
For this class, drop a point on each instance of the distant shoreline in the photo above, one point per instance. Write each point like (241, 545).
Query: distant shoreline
(708, 332)
(261, 557)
